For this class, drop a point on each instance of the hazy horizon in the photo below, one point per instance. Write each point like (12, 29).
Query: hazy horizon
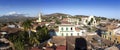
(105, 8)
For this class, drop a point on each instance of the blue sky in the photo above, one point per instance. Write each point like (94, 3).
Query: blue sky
(107, 8)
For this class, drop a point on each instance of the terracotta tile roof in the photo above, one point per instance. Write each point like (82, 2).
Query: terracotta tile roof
(65, 22)
(59, 40)
(107, 42)
(77, 29)
(111, 27)
(35, 48)
(65, 19)
(10, 30)
(66, 25)
(112, 48)
(61, 48)
(49, 48)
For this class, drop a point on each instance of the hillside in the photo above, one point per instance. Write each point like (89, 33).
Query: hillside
(13, 18)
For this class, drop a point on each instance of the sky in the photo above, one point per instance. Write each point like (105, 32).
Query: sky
(106, 8)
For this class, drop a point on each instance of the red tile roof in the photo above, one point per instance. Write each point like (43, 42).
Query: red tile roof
(77, 29)
(65, 19)
(65, 22)
(61, 48)
(10, 30)
(35, 48)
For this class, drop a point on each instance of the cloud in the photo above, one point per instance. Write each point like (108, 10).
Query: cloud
(11, 13)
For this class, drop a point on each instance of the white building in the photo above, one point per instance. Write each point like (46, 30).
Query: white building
(71, 20)
(11, 26)
(67, 30)
(91, 21)
(116, 31)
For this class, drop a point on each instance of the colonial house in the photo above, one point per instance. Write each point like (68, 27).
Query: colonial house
(71, 20)
(112, 34)
(67, 30)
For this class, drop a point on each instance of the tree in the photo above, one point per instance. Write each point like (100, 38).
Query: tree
(19, 45)
(27, 26)
(79, 19)
(33, 40)
(58, 22)
(21, 39)
(18, 40)
(42, 33)
(98, 19)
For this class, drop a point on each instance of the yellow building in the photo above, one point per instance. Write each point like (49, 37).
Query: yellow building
(112, 34)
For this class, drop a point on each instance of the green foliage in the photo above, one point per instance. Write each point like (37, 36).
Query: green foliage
(19, 45)
(103, 18)
(98, 19)
(79, 19)
(27, 24)
(58, 22)
(20, 39)
(42, 33)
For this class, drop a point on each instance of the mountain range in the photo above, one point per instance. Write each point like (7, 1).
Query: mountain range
(21, 17)
(14, 17)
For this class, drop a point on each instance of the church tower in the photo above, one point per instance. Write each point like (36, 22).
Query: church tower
(39, 18)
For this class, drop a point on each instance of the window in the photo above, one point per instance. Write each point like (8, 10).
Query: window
(66, 34)
(62, 34)
(71, 28)
(114, 41)
(62, 29)
(105, 36)
(110, 38)
(71, 34)
(117, 42)
(82, 32)
(77, 34)
(66, 29)
(115, 38)
(110, 33)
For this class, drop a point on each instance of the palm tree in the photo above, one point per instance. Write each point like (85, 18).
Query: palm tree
(42, 33)
(19, 45)
(27, 26)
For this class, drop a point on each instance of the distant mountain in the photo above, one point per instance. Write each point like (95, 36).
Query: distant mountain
(57, 15)
(14, 18)
(81, 16)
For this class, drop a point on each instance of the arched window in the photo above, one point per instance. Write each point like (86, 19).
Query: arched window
(105, 36)
(110, 33)
(62, 34)
(117, 42)
(66, 34)
(71, 34)
(77, 34)
(62, 28)
(71, 28)
(110, 38)
(66, 29)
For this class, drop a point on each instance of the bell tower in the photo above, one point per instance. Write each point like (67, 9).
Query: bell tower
(39, 17)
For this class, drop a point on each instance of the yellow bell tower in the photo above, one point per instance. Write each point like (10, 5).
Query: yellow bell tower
(39, 17)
